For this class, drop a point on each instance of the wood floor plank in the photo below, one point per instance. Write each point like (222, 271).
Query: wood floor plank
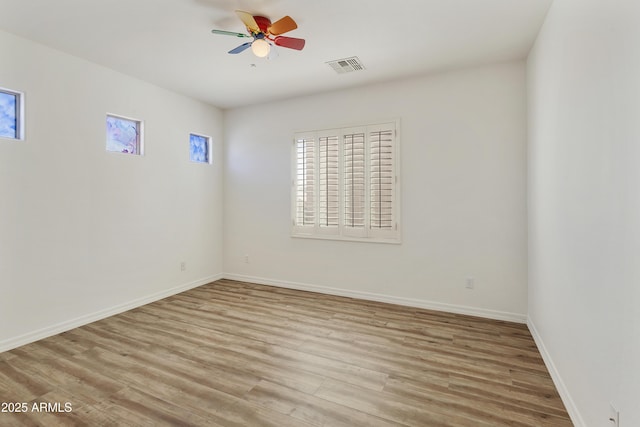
(477, 407)
(243, 414)
(529, 398)
(394, 407)
(20, 386)
(239, 354)
(311, 408)
(160, 412)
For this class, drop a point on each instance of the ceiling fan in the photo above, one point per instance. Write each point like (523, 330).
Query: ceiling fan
(264, 34)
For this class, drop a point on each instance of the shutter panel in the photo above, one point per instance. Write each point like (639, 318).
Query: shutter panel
(381, 178)
(354, 180)
(305, 182)
(328, 180)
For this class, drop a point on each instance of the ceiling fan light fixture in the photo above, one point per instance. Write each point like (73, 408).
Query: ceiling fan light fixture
(260, 48)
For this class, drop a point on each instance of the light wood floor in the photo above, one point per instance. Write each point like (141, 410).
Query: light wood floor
(236, 354)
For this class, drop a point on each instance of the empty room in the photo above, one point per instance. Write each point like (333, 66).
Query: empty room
(320, 213)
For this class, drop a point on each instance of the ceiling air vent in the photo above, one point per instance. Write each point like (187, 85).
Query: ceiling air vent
(346, 65)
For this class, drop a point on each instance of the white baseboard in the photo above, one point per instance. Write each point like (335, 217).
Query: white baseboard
(30, 337)
(410, 302)
(58, 328)
(569, 404)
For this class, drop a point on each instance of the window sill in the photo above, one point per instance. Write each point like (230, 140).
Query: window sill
(395, 241)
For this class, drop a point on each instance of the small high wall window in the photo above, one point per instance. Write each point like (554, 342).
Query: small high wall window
(199, 148)
(346, 184)
(11, 114)
(124, 135)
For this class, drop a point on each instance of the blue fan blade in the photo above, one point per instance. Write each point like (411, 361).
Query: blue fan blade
(273, 52)
(241, 48)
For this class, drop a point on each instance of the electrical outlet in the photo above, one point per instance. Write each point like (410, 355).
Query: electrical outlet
(183, 266)
(246, 259)
(470, 283)
(614, 416)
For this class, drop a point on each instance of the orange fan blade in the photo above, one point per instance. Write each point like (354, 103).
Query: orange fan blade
(282, 26)
(248, 21)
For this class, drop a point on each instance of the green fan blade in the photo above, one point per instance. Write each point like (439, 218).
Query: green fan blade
(229, 33)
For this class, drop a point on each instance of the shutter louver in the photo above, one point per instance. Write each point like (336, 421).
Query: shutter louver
(328, 181)
(305, 182)
(381, 179)
(354, 180)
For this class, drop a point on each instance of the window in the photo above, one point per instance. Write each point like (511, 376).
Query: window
(345, 184)
(124, 135)
(11, 114)
(199, 148)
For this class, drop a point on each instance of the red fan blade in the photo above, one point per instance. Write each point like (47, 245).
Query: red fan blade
(290, 42)
(249, 21)
(282, 26)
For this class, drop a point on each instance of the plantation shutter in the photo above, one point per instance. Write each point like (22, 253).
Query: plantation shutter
(354, 181)
(328, 182)
(382, 178)
(305, 181)
(345, 183)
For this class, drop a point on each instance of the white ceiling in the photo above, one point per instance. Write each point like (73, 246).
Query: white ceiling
(169, 42)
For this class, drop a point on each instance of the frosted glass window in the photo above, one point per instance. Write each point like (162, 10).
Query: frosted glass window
(124, 135)
(199, 148)
(9, 114)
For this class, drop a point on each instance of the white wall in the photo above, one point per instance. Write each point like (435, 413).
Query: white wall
(584, 205)
(84, 232)
(463, 138)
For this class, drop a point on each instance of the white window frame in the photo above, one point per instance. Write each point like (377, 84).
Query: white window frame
(140, 129)
(342, 231)
(20, 128)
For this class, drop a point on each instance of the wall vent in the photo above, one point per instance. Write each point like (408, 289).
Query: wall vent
(346, 65)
